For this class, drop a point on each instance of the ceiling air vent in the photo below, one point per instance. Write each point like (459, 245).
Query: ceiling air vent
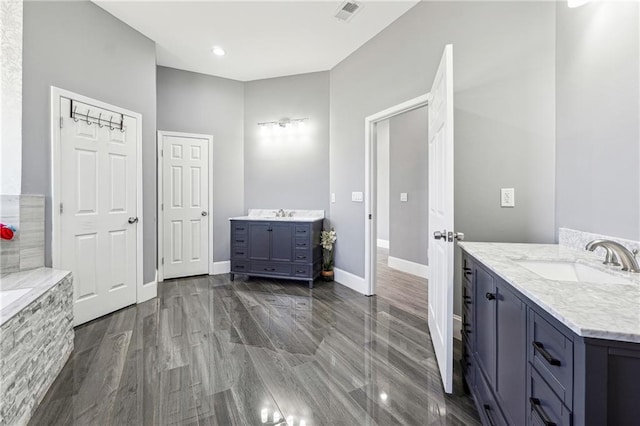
(347, 10)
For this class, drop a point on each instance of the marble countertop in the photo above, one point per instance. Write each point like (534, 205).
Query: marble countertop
(36, 281)
(270, 215)
(603, 311)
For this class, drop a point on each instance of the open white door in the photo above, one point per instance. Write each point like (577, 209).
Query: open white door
(441, 246)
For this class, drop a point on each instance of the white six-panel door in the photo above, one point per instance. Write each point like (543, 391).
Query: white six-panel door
(98, 197)
(441, 250)
(185, 205)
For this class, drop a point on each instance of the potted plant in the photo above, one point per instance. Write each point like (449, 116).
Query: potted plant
(327, 239)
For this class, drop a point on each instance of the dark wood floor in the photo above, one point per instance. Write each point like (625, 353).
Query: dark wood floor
(211, 352)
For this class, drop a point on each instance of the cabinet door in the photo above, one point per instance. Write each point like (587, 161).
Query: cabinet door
(485, 323)
(259, 240)
(511, 354)
(281, 242)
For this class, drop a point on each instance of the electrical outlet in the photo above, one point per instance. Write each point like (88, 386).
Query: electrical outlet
(333, 197)
(507, 197)
(357, 197)
(404, 197)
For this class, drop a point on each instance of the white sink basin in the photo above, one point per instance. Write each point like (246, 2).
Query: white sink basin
(570, 271)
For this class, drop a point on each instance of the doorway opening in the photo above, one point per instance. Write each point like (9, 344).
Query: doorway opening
(371, 183)
(402, 210)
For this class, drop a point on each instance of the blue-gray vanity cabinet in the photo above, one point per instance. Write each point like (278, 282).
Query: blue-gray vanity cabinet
(282, 249)
(500, 352)
(527, 368)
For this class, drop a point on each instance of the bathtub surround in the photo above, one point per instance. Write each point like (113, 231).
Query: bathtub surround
(26, 250)
(36, 340)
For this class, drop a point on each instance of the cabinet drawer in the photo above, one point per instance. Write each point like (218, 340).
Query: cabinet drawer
(544, 406)
(271, 268)
(239, 253)
(239, 240)
(466, 328)
(487, 406)
(239, 267)
(467, 298)
(467, 269)
(302, 244)
(303, 230)
(551, 353)
(302, 271)
(303, 256)
(239, 228)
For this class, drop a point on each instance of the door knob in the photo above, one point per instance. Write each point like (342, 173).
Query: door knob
(204, 213)
(440, 235)
(455, 236)
(133, 220)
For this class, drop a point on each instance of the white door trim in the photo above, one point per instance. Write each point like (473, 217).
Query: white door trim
(370, 184)
(142, 292)
(162, 133)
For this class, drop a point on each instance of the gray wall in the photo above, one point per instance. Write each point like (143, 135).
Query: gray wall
(504, 82)
(382, 176)
(198, 103)
(598, 148)
(79, 47)
(409, 164)
(289, 170)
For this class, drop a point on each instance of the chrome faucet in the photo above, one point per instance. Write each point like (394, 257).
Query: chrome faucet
(616, 251)
(280, 213)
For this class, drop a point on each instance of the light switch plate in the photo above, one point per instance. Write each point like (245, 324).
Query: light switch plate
(357, 197)
(333, 197)
(404, 197)
(507, 197)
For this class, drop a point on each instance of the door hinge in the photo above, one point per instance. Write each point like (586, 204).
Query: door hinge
(162, 153)
(163, 260)
(161, 206)
(61, 208)
(370, 217)
(61, 122)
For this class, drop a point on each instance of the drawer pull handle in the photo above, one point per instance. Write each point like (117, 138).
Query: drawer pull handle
(240, 267)
(490, 296)
(270, 269)
(301, 257)
(239, 252)
(301, 244)
(239, 229)
(487, 410)
(239, 241)
(301, 272)
(539, 347)
(537, 407)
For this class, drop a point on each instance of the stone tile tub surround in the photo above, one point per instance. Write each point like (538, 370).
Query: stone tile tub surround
(36, 339)
(604, 311)
(26, 250)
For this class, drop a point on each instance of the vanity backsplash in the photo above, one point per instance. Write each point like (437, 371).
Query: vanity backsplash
(579, 239)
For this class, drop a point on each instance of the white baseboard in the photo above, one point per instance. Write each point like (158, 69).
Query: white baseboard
(457, 327)
(412, 268)
(221, 267)
(383, 243)
(347, 279)
(149, 290)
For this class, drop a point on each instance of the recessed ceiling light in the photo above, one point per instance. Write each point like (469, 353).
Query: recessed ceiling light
(218, 51)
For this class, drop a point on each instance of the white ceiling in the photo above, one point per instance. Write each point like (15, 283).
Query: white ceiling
(262, 39)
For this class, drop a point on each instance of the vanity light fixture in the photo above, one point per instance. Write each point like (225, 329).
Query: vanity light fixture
(284, 122)
(218, 51)
(576, 3)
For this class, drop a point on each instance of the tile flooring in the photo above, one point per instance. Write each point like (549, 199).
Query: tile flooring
(255, 352)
